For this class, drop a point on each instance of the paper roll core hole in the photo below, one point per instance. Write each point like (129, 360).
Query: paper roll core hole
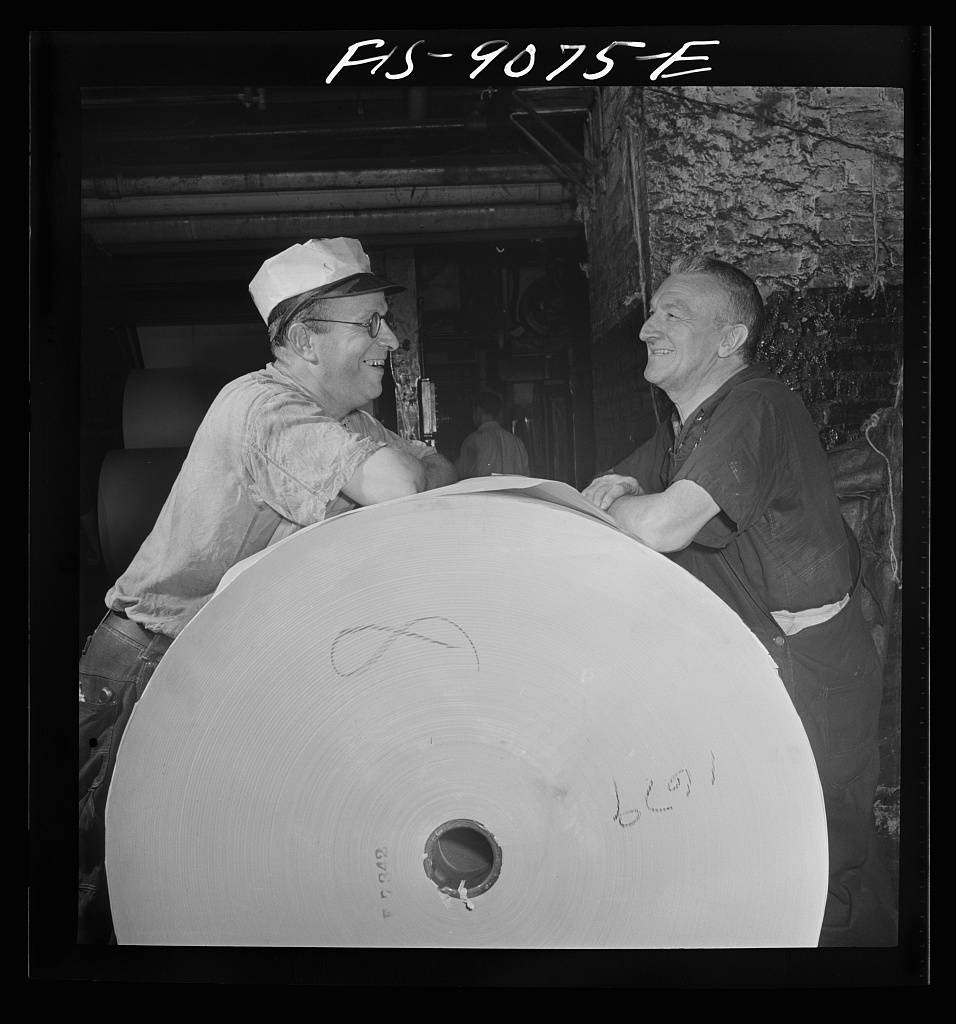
(462, 850)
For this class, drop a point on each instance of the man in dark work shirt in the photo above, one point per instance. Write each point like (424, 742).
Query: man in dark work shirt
(735, 488)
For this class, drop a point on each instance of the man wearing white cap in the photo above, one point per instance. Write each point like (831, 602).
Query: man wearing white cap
(278, 449)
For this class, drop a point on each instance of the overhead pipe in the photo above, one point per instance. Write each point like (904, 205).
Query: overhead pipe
(327, 199)
(94, 98)
(110, 186)
(225, 228)
(345, 128)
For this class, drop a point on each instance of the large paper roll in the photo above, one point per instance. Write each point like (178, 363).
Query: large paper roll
(472, 718)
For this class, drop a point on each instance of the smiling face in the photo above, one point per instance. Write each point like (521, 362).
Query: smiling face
(683, 335)
(349, 364)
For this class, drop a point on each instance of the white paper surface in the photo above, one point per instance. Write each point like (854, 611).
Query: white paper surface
(490, 651)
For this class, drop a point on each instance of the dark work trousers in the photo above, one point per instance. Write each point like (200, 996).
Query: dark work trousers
(834, 677)
(116, 664)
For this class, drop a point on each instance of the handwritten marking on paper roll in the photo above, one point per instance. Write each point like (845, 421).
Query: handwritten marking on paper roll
(679, 781)
(363, 646)
(618, 816)
(674, 783)
(384, 878)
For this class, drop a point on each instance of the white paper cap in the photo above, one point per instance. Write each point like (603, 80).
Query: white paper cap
(317, 263)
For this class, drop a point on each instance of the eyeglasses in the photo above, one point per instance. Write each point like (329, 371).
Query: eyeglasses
(373, 325)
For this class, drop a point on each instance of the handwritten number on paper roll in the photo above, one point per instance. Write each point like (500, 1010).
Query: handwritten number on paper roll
(385, 636)
(384, 878)
(647, 799)
(680, 780)
(619, 817)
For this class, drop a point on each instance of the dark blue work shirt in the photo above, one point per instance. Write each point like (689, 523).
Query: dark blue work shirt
(753, 447)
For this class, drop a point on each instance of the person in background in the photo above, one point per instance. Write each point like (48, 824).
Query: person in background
(278, 450)
(490, 448)
(735, 488)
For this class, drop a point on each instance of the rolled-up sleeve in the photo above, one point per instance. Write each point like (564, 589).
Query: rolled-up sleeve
(299, 459)
(362, 423)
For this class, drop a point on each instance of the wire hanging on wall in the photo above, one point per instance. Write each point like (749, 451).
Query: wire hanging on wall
(871, 424)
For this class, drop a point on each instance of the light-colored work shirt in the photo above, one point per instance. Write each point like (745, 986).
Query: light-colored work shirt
(492, 449)
(266, 461)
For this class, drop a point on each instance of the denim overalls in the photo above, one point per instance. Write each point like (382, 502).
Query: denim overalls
(117, 663)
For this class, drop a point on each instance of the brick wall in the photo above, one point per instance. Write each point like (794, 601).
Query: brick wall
(803, 189)
(784, 182)
(841, 350)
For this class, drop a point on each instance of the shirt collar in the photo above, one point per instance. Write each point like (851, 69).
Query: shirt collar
(750, 372)
(275, 370)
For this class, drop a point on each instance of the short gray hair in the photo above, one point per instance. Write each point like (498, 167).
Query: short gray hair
(744, 304)
(280, 321)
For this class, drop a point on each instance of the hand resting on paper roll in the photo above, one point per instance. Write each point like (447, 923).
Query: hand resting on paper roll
(604, 490)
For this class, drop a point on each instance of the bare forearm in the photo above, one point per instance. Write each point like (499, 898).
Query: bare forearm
(642, 517)
(667, 521)
(386, 474)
